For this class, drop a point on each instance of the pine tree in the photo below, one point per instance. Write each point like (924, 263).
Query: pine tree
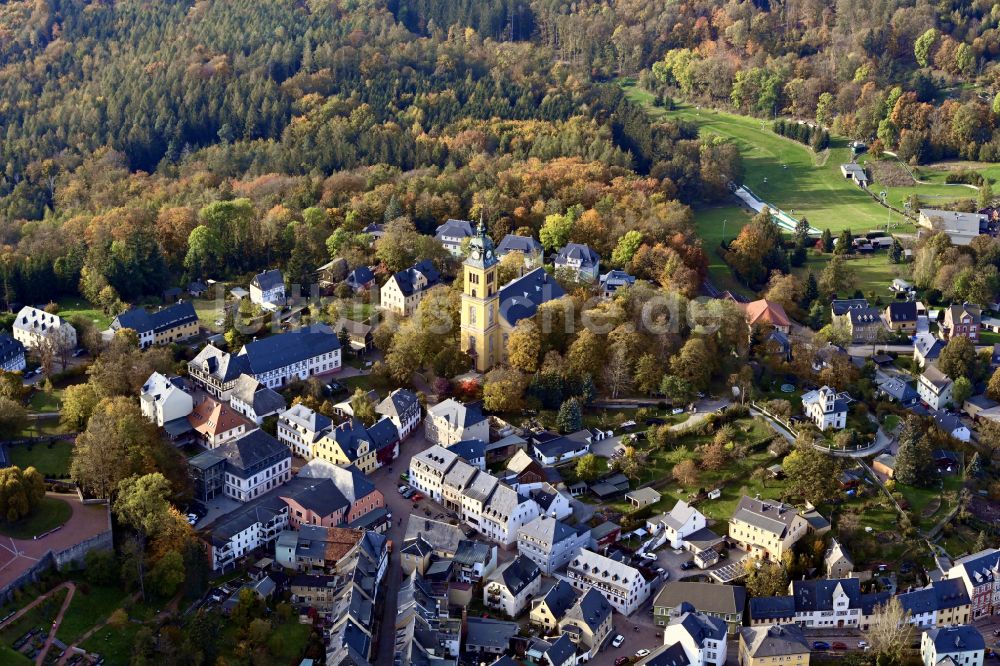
(896, 252)
(827, 240)
(811, 291)
(913, 458)
(569, 418)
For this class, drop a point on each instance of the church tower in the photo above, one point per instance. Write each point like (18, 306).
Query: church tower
(481, 334)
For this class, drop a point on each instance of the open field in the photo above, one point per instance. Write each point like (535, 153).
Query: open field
(790, 176)
(91, 606)
(70, 307)
(52, 460)
(874, 272)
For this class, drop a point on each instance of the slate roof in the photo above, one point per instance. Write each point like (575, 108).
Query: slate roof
(899, 390)
(771, 608)
(577, 252)
(469, 449)
(406, 279)
(487, 633)
(560, 598)
(279, 351)
(817, 595)
(303, 417)
(905, 311)
(666, 655)
(442, 536)
(351, 481)
(557, 445)
(223, 366)
(591, 610)
(360, 276)
(547, 530)
(980, 567)
(164, 319)
(936, 377)
(520, 298)
(9, 349)
(471, 552)
(841, 306)
(512, 243)
(454, 228)
(260, 398)
(701, 627)
(949, 423)
(397, 403)
(706, 597)
(561, 650)
(961, 638)
(614, 279)
(244, 455)
(678, 515)
(269, 279)
(351, 433)
(517, 574)
(865, 316)
(775, 640)
(458, 414)
(927, 345)
(770, 516)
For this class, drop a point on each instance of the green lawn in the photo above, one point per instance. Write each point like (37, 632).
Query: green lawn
(50, 513)
(289, 641)
(11, 658)
(46, 401)
(52, 460)
(39, 617)
(790, 176)
(890, 422)
(70, 307)
(88, 609)
(920, 500)
(46, 426)
(114, 644)
(209, 311)
(874, 272)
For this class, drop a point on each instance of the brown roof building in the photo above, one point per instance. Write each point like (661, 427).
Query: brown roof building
(217, 423)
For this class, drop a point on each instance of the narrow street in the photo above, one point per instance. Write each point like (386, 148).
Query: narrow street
(387, 481)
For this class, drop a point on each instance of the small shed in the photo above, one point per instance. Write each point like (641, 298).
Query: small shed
(643, 497)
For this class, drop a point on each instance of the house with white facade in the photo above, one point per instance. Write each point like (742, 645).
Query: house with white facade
(163, 399)
(827, 603)
(216, 423)
(298, 355)
(451, 421)
(934, 387)
(530, 248)
(551, 543)
(12, 356)
(701, 636)
(512, 585)
(681, 521)
(404, 290)
(625, 587)
(428, 468)
(552, 448)
(402, 407)
(505, 512)
(765, 528)
(267, 289)
(252, 465)
(824, 409)
(33, 328)
(588, 623)
(452, 233)
(962, 645)
(300, 428)
(943, 603)
(551, 501)
(254, 400)
(578, 261)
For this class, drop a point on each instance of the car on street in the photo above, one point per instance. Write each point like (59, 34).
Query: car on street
(408, 493)
(617, 642)
(821, 645)
(837, 645)
(863, 645)
(416, 497)
(677, 410)
(403, 488)
(620, 661)
(642, 653)
(648, 556)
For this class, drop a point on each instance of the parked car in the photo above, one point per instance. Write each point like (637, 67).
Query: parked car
(656, 420)
(821, 645)
(617, 642)
(863, 645)
(642, 653)
(837, 645)
(688, 565)
(620, 661)
(648, 556)
(416, 497)
(402, 489)
(677, 410)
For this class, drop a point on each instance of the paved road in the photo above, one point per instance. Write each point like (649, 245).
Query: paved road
(387, 481)
(882, 440)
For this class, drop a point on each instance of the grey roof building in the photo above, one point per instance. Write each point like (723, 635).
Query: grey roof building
(486, 635)
(527, 245)
(726, 602)
(520, 298)
(776, 640)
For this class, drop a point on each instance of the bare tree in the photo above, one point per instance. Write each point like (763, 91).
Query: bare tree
(617, 373)
(889, 631)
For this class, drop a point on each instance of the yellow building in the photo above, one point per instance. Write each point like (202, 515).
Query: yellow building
(481, 334)
(774, 645)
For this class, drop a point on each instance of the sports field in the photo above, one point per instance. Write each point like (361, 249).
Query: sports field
(789, 175)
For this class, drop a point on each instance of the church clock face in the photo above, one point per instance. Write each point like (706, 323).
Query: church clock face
(475, 254)
(489, 254)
